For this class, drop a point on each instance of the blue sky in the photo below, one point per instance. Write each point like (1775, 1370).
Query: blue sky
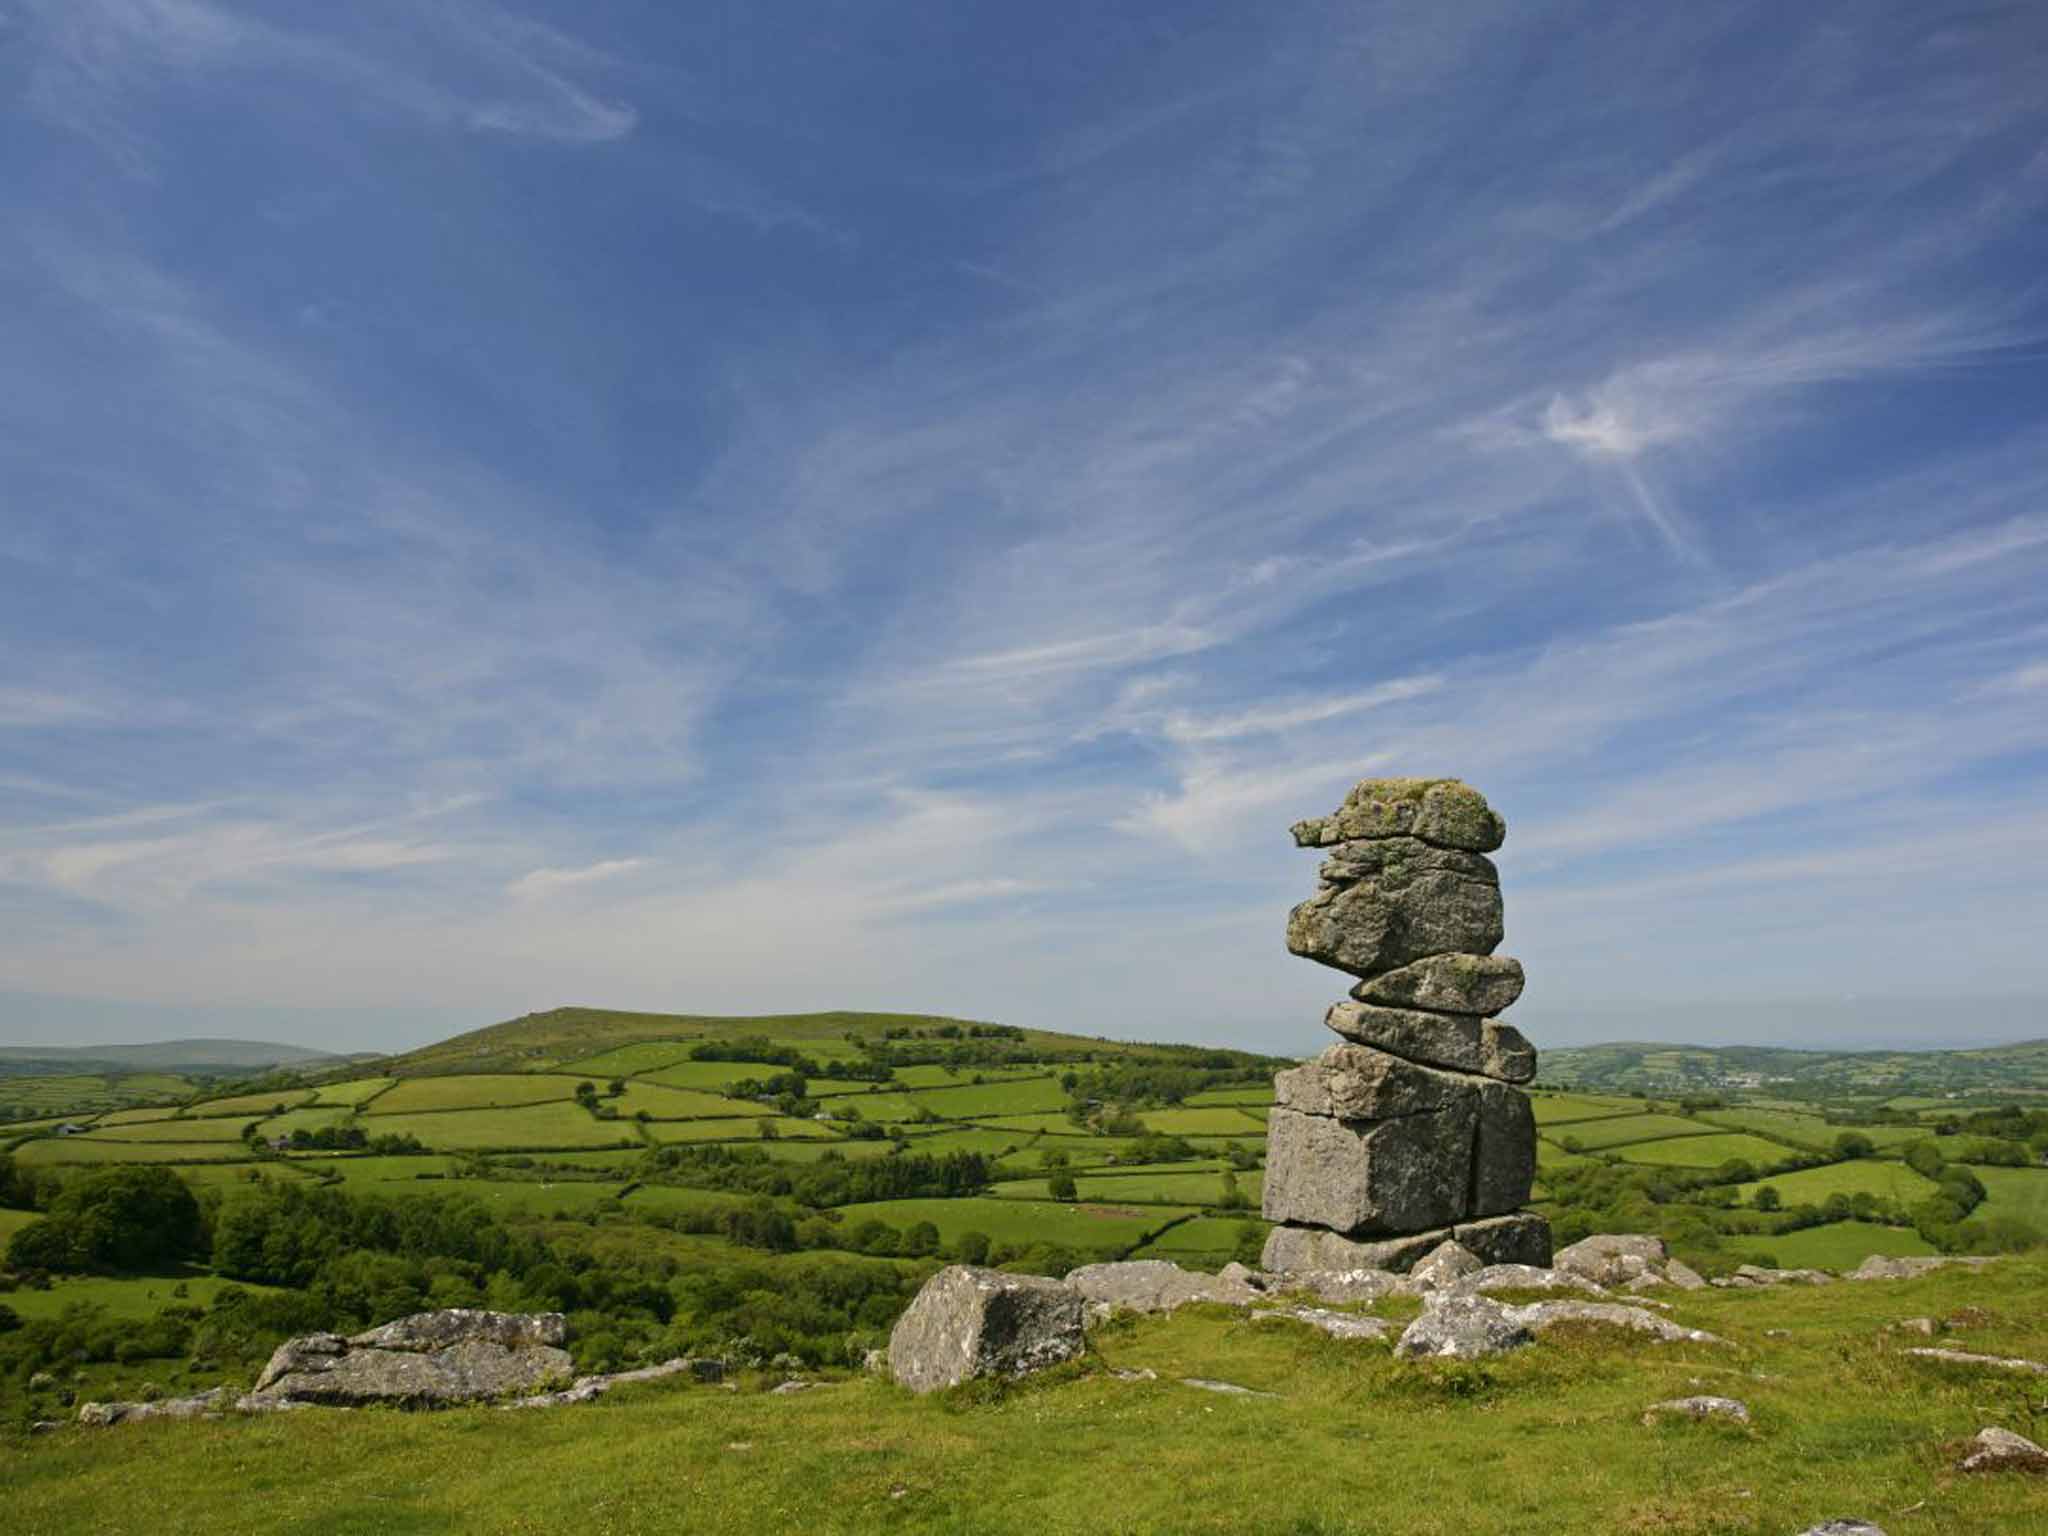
(760, 507)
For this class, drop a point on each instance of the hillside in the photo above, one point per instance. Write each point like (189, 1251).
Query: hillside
(1662, 1068)
(537, 1041)
(198, 1058)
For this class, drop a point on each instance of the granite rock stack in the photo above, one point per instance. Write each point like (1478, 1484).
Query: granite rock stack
(1410, 1131)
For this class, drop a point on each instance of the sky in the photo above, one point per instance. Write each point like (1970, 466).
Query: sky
(738, 508)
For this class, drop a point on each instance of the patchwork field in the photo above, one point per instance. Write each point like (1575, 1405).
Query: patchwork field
(558, 1124)
(1811, 1186)
(355, 1091)
(1839, 1245)
(420, 1095)
(1083, 1227)
(51, 1151)
(2020, 1192)
(1709, 1151)
(1598, 1135)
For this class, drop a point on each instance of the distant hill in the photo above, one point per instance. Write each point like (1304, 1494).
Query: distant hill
(564, 1034)
(1650, 1067)
(203, 1058)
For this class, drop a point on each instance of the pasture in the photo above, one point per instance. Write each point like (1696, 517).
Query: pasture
(1709, 1151)
(1599, 1135)
(665, 1103)
(221, 1130)
(1811, 1186)
(251, 1105)
(2020, 1192)
(494, 1090)
(1087, 1228)
(356, 1090)
(1018, 1097)
(532, 1126)
(1564, 1108)
(1839, 1246)
(53, 1151)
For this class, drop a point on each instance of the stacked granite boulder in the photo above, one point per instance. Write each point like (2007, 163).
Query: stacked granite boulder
(1410, 1132)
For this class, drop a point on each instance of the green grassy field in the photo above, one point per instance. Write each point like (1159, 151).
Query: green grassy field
(1700, 1151)
(1564, 1108)
(249, 1106)
(1599, 1135)
(2021, 1192)
(129, 1296)
(1206, 1242)
(130, 1116)
(1894, 1181)
(558, 1124)
(1353, 1443)
(740, 1128)
(1840, 1245)
(218, 1130)
(712, 1076)
(1168, 1184)
(85, 1093)
(355, 1091)
(667, 1103)
(1018, 1097)
(12, 1222)
(53, 1151)
(421, 1095)
(627, 1060)
(961, 1077)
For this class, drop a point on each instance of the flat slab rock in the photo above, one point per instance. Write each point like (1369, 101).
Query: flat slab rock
(1338, 1325)
(1462, 1326)
(1457, 1042)
(432, 1359)
(1880, 1267)
(1843, 1528)
(207, 1405)
(1703, 1407)
(1989, 1362)
(1466, 984)
(968, 1322)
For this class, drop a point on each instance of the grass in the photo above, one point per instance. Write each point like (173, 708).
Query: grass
(1201, 1122)
(78, 1094)
(125, 1296)
(1600, 1135)
(716, 1075)
(1174, 1185)
(666, 1103)
(484, 1090)
(1840, 1245)
(886, 1107)
(1894, 1181)
(741, 1128)
(1807, 1130)
(52, 1151)
(1209, 1237)
(1259, 1094)
(961, 1077)
(1548, 1439)
(1708, 1151)
(627, 1060)
(250, 1105)
(355, 1091)
(318, 1118)
(1564, 1108)
(220, 1130)
(12, 1221)
(2021, 1192)
(558, 1124)
(1029, 1096)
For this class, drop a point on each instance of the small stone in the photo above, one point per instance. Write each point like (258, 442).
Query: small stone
(1143, 1373)
(1539, 1316)
(1454, 1327)
(1444, 1265)
(783, 1389)
(1684, 1276)
(968, 1322)
(1926, 1327)
(1154, 1285)
(1524, 1277)
(1996, 1449)
(1338, 1325)
(1842, 1528)
(1698, 1408)
(1612, 1258)
(1229, 1388)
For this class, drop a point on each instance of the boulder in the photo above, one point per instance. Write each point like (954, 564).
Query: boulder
(1360, 1177)
(1355, 1082)
(1446, 812)
(1684, 1276)
(1523, 1238)
(1698, 1408)
(433, 1359)
(968, 1322)
(1341, 1285)
(1881, 1267)
(1612, 1258)
(1457, 1042)
(1444, 1265)
(1153, 1285)
(1471, 984)
(1523, 1277)
(1998, 1449)
(1454, 1327)
(1368, 926)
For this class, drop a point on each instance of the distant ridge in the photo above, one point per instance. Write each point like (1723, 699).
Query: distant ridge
(1657, 1067)
(204, 1057)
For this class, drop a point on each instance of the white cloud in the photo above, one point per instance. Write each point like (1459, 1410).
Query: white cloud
(538, 884)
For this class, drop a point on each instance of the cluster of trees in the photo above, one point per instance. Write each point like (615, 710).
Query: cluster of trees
(348, 1138)
(129, 1217)
(831, 1180)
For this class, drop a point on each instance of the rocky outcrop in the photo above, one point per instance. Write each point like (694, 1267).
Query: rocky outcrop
(1987, 1362)
(968, 1322)
(431, 1360)
(1454, 1327)
(1882, 1267)
(1412, 1128)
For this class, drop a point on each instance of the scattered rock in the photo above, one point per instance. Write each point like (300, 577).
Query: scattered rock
(1154, 1285)
(1523, 1277)
(968, 1322)
(1926, 1327)
(1338, 1325)
(2001, 1449)
(1142, 1373)
(1752, 1277)
(1538, 1316)
(1990, 1362)
(1341, 1285)
(1612, 1259)
(44, 1426)
(1230, 1388)
(1684, 1276)
(206, 1405)
(1777, 1333)
(589, 1388)
(1454, 1327)
(875, 1362)
(1842, 1528)
(1880, 1267)
(1444, 1265)
(1698, 1408)
(783, 1389)
(433, 1359)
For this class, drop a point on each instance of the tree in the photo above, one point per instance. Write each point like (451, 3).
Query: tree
(972, 1247)
(125, 1218)
(615, 1087)
(1061, 1186)
(920, 1238)
(1853, 1144)
(1768, 1199)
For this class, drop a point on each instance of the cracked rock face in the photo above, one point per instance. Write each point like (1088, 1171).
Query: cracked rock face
(432, 1359)
(1456, 1042)
(970, 1322)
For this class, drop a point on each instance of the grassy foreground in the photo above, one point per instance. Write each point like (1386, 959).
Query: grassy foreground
(1546, 1441)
